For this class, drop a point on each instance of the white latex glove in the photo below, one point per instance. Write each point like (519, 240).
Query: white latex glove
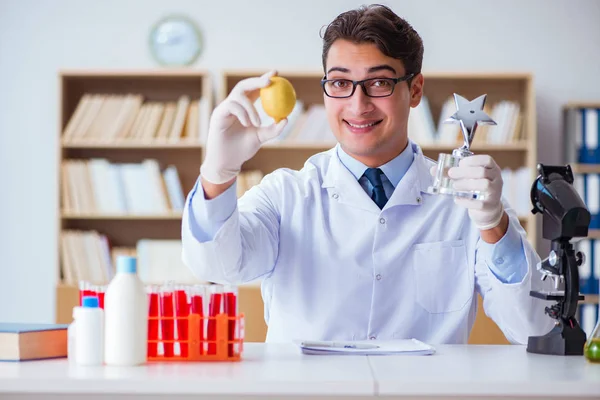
(235, 133)
(479, 172)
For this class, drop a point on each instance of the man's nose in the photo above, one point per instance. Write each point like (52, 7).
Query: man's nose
(360, 103)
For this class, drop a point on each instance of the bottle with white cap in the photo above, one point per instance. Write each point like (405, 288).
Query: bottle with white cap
(89, 332)
(126, 316)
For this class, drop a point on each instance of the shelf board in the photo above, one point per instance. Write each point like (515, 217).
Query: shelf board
(590, 299)
(582, 104)
(516, 146)
(284, 145)
(134, 73)
(124, 217)
(132, 145)
(594, 233)
(586, 168)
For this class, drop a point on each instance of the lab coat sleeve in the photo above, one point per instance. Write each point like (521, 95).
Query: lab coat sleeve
(236, 249)
(509, 305)
(506, 258)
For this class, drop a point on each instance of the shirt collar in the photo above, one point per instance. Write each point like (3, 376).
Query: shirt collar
(394, 170)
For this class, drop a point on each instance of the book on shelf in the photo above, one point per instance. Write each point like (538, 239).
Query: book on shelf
(507, 115)
(512, 189)
(306, 124)
(96, 186)
(87, 255)
(589, 270)
(111, 118)
(25, 342)
(246, 180)
(582, 135)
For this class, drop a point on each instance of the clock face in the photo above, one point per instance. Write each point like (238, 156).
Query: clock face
(175, 41)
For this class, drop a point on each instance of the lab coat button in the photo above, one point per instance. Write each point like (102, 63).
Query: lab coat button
(378, 277)
(335, 196)
(382, 221)
(372, 338)
(500, 261)
(418, 200)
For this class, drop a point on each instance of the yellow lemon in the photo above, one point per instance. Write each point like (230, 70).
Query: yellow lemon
(278, 99)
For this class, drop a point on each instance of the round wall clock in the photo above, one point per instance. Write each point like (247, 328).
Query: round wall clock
(175, 41)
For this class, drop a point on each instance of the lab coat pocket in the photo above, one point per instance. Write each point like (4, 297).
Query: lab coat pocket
(441, 273)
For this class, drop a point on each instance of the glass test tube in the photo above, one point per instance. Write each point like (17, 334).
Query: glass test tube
(182, 312)
(230, 308)
(215, 308)
(85, 289)
(153, 314)
(198, 304)
(166, 319)
(100, 290)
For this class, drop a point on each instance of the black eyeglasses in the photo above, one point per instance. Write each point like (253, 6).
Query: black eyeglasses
(372, 87)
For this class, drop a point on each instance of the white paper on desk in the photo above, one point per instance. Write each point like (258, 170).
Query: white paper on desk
(386, 347)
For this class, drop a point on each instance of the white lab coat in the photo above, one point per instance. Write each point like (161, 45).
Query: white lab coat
(336, 267)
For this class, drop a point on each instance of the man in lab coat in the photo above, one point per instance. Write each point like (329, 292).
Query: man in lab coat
(351, 246)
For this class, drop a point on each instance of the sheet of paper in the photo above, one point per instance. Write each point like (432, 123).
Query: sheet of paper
(366, 347)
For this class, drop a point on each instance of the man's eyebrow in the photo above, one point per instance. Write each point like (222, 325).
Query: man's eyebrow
(340, 69)
(382, 67)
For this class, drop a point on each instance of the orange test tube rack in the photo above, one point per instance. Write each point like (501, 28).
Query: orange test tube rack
(226, 348)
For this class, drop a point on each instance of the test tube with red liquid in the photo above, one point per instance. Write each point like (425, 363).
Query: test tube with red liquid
(153, 313)
(230, 308)
(100, 290)
(182, 312)
(199, 301)
(85, 289)
(215, 308)
(167, 325)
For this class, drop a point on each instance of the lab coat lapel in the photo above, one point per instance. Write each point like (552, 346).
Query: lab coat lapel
(344, 187)
(414, 183)
(409, 190)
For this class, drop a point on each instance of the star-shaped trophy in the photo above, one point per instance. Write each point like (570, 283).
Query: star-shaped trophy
(469, 114)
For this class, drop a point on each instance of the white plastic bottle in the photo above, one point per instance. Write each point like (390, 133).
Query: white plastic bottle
(71, 337)
(126, 316)
(89, 332)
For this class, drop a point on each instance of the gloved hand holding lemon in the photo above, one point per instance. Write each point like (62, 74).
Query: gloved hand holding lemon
(235, 133)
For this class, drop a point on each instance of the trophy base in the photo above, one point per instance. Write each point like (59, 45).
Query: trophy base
(476, 195)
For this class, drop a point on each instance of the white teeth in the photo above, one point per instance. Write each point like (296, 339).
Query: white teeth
(361, 126)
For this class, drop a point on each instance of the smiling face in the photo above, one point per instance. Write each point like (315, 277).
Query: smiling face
(372, 130)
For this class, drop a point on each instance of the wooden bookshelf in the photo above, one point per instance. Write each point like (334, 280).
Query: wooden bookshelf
(167, 85)
(570, 113)
(184, 153)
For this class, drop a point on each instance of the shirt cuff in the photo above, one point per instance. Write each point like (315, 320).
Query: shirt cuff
(506, 258)
(207, 216)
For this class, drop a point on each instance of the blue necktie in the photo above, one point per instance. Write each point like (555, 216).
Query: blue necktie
(373, 175)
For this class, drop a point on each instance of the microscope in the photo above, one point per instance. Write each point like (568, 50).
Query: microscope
(565, 216)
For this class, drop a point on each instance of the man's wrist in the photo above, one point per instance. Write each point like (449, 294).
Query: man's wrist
(212, 190)
(493, 235)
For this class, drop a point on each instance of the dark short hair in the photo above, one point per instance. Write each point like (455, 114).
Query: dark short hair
(379, 25)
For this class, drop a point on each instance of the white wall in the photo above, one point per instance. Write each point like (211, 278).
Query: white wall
(556, 40)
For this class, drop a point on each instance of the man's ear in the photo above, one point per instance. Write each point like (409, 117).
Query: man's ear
(416, 90)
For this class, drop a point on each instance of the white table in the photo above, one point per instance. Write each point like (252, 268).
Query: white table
(280, 371)
(487, 372)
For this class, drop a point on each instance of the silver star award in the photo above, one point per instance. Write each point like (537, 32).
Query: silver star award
(469, 114)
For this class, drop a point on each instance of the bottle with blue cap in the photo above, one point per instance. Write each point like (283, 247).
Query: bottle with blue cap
(126, 316)
(89, 332)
